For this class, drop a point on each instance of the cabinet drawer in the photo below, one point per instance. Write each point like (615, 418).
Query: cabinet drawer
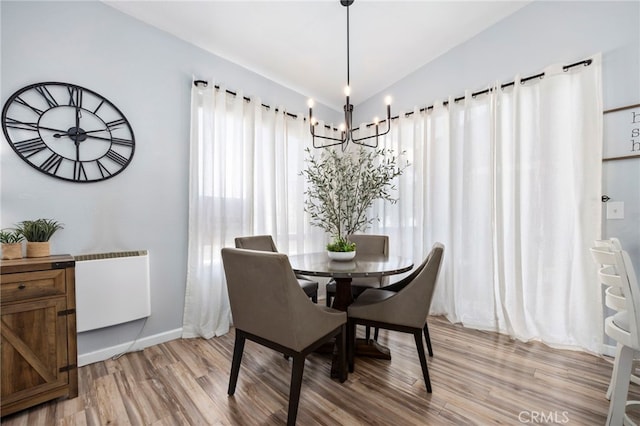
(28, 285)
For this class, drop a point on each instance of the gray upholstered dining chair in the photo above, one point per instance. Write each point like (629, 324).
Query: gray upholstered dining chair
(405, 310)
(365, 244)
(268, 308)
(397, 286)
(265, 243)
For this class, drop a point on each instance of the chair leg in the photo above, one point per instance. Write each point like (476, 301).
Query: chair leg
(367, 333)
(351, 343)
(375, 334)
(341, 343)
(427, 338)
(238, 348)
(423, 359)
(623, 362)
(314, 298)
(327, 301)
(612, 380)
(294, 389)
(634, 378)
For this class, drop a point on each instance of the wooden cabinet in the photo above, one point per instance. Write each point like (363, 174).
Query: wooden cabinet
(38, 350)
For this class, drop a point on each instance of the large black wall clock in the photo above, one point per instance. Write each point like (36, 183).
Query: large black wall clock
(68, 132)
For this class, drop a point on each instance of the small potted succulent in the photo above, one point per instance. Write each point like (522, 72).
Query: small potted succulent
(11, 240)
(341, 249)
(37, 233)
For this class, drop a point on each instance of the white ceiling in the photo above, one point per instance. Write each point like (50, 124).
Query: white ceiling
(302, 44)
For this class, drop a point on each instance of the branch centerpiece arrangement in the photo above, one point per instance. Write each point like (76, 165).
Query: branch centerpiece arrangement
(341, 188)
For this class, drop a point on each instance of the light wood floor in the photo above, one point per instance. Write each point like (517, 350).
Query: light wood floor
(477, 377)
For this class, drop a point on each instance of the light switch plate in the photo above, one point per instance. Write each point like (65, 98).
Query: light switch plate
(615, 210)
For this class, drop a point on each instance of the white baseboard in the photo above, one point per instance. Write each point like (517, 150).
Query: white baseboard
(608, 350)
(106, 353)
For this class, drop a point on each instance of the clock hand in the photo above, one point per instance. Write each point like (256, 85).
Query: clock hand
(94, 131)
(77, 117)
(99, 137)
(59, 135)
(53, 130)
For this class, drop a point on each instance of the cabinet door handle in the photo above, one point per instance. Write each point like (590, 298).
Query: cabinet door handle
(21, 286)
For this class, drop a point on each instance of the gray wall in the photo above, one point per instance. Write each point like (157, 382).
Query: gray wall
(147, 74)
(541, 34)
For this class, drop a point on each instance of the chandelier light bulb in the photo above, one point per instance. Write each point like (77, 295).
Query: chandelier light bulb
(342, 127)
(310, 103)
(387, 100)
(347, 91)
(376, 120)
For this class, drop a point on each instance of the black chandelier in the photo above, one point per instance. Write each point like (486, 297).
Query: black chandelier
(346, 129)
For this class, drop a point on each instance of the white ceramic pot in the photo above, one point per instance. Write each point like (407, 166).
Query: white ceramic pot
(341, 255)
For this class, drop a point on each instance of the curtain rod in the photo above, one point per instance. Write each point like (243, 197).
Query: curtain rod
(205, 83)
(565, 68)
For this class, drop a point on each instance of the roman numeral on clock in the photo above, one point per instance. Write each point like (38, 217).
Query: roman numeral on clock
(79, 172)
(52, 163)
(21, 101)
(12, 123)
(112, 125)
(103, 170)
(123, 142)
(44, 92)
(29, 147)
(115, 157)
(75, 96)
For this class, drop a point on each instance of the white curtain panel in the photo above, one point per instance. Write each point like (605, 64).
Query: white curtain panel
(244, 180)
(510, 182)
(207, 312)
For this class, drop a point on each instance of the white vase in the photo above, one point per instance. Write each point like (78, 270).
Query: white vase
(341, 255)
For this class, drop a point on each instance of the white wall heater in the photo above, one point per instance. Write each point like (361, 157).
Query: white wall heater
(111, 288)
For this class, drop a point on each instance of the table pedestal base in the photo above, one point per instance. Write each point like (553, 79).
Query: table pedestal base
(343, 297)
(369, 348)
(372, 349)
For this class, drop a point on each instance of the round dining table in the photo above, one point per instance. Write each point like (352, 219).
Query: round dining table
(363, 265)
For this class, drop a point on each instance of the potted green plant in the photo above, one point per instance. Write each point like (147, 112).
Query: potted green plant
(37, 233)
(342, 186)
(11, 240)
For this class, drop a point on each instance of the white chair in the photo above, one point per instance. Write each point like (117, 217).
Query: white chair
(614, 299)
(623, 327)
